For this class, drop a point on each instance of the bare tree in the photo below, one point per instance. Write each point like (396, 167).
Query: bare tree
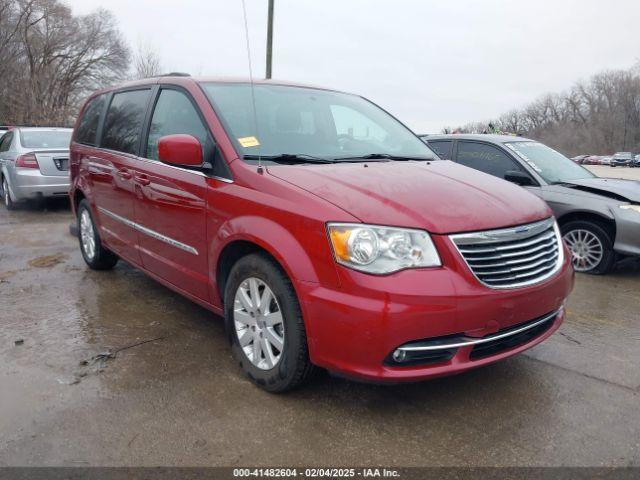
(601, 115)
(51, 60)
(146, 62)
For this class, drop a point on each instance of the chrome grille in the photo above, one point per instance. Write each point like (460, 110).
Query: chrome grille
(512, 257)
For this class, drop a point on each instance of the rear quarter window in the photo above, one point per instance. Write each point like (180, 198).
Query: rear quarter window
(123, 123)
(88, 126)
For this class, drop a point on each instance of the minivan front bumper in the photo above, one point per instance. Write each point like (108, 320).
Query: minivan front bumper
(354, 330)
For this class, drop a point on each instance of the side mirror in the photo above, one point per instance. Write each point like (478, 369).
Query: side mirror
(182, 150)
(519, 178)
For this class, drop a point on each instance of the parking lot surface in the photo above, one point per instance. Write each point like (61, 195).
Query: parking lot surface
(179, 398)
(615, 172)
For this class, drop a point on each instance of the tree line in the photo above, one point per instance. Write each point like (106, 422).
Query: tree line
(51, 60)
(598, 116)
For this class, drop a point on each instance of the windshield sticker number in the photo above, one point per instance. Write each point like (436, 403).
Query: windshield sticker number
(247, 142)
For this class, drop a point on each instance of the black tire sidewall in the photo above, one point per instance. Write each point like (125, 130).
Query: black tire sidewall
(280, 377)
(608, 255)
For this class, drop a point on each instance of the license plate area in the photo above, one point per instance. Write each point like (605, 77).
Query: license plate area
(61, 164)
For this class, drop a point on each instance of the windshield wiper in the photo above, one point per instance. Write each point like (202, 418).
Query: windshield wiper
(289, 158)
(385, 156)
(563, 184)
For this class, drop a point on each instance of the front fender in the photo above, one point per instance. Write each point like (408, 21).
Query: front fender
(303, 253)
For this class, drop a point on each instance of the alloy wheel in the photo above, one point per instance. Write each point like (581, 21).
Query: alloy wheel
(87, 236)
(258, 323)
(586, 249)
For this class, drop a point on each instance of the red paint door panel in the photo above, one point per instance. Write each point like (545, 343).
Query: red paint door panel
(111, 171)
(170, 201)
(170, 213)
(111, 177)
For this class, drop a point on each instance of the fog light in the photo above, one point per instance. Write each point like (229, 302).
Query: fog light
(399, 355)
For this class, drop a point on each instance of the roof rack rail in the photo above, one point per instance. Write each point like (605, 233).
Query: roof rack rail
(175, 74)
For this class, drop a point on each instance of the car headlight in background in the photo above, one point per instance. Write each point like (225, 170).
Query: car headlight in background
(380, 250)
(635, 208)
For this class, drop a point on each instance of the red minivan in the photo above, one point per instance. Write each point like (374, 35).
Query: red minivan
(323, 230)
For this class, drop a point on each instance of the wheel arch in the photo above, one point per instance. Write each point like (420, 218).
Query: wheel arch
(244, 235)
(230, 254)
(78, 196)
(607, 223)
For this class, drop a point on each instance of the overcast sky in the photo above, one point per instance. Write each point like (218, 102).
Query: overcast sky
(430, 63)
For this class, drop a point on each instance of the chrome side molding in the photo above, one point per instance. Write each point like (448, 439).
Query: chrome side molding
(149, 232)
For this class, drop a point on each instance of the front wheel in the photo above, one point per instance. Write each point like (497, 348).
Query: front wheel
(590, 245)
(265, 326)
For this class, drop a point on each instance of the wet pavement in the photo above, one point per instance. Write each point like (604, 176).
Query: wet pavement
(179, 399)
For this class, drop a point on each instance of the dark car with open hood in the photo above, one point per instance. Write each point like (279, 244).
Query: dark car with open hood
(599, 217)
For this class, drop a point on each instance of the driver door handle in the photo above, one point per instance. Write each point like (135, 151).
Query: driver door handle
(124, 174)
(142, 179)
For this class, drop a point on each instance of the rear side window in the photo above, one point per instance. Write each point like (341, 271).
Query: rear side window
(88, 125)
(123, 124)
(174, 113)
(442, 148)
(486, 158)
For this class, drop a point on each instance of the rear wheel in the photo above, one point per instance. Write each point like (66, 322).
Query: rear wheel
(95, 255)
(590, 245)
(6, 195)
(265, 324)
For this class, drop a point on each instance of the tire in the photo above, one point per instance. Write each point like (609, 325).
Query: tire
(591, 234)
(291, 366)
(6, 195)
(95, 255)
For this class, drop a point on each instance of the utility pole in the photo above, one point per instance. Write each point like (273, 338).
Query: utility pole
(269, 38)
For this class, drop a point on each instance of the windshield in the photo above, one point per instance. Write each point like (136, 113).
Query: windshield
(45, 138)
(310, 122)
(552, 166)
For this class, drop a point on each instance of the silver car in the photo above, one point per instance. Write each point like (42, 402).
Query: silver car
(34, 164)
(599, 217)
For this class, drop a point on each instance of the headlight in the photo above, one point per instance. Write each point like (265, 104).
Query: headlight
(381, 250)
(635, 208)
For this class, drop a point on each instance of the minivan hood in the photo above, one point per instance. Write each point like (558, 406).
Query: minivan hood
(616, 188)
(441, 196)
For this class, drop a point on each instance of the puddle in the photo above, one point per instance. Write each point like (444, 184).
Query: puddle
(47, 261)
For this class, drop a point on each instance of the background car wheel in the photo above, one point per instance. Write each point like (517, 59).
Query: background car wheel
(590, 245)
(95, 255)
(6, 196)
(265, 326)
